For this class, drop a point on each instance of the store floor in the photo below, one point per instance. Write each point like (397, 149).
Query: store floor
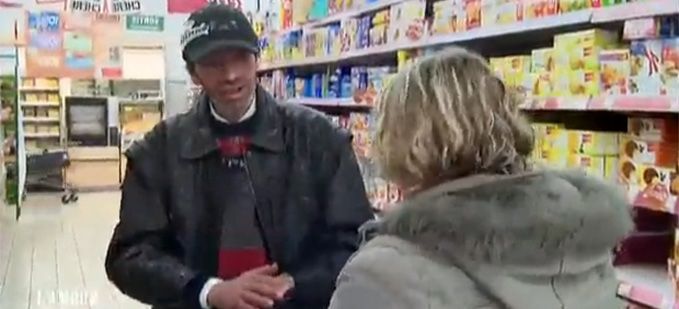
(54, 256)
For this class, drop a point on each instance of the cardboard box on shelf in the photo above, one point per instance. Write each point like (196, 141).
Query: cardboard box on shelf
(539, 8)
(592, 165)
(654, 129)
(584, 83)
(661, 154)
(615, 71)
(474, 13)
(670, 66)
(508, 12)
(542, 60)
(580, 50)
(645, 76)
(593, 143)
(654, 188)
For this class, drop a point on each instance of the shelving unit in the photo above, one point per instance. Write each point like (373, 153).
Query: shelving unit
(40, 100)
(295, 64)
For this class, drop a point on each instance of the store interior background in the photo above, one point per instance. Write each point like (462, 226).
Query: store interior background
(175, 72)
(68, 241)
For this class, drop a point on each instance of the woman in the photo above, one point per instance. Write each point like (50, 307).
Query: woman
(478, 228)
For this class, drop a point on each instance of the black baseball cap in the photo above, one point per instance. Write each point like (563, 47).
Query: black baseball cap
(214, 27)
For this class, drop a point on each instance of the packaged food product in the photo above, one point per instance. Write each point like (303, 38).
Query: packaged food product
(592, 165)
(661, 154)
(542, 60)
(593, 143)
(645, 76)
(653, 188)
(584, 83)
(473, 9)
(654, 129)
(615, 71)
(580, 50)
(670, 66)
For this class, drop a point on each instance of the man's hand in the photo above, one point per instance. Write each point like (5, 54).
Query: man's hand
(256, 289)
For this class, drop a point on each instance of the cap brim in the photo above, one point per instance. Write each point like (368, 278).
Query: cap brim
(198, 52)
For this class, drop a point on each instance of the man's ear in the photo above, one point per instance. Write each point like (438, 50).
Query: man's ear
(196, 81)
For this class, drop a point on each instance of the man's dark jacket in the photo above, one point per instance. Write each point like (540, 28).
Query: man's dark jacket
(310, 202)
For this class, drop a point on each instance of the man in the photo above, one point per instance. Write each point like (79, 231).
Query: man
(241, 202)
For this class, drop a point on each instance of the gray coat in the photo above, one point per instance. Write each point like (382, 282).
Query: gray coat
(540, 240)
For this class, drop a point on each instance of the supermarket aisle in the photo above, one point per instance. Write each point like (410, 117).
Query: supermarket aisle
(54, 257)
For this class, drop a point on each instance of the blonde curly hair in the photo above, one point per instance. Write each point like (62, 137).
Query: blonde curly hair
(448, 116)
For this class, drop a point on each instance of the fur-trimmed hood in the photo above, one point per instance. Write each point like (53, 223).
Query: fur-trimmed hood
(541, 223)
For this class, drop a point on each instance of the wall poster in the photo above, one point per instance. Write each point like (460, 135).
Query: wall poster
(44, 44)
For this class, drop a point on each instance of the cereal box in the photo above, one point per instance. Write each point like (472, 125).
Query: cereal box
(645, 56)
(651, 153)
(542, 60)
(592, 165)
(654, 129)
(670, 66)
(593, 143)
(653, 188)
(584, 83)
(615, 71)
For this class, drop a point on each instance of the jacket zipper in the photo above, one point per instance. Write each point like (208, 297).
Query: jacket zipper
(258, 212)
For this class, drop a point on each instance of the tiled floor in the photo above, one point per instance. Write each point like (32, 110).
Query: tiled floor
(54, 256)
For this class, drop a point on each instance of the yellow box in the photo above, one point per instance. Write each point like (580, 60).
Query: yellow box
(580, 50)
(561, 80)
(542, 60)
(592, 165)
(555, 138)
(554, 158)
(499, 65)
(517, 70)
(611, 167)
(543, 85)
(615, 71)
(584, 83)
(508, 12)
(593, 143)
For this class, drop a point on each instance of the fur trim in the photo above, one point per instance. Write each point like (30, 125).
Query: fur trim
(524, 220)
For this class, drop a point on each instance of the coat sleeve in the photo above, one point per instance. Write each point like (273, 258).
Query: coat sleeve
(141, 259)
(346, 209)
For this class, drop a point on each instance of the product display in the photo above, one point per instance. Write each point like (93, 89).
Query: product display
(41, 103)
(601, 67)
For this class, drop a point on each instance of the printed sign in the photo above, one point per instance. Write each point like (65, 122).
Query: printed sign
(125, 6)
(44, 54)
(95, 6)
(145, 23)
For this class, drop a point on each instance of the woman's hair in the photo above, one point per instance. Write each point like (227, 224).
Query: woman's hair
(448, 116)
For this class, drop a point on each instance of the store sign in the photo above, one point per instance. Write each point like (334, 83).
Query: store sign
(95, 6)
(125, 6)
(145, 23)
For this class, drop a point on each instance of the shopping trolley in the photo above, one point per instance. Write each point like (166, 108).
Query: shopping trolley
(44, 171)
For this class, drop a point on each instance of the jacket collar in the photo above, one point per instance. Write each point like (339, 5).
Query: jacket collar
(523, 220)
(200, 140)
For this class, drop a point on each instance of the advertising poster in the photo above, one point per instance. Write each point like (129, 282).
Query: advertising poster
(44, 44)
(108, 32)
(78, 45)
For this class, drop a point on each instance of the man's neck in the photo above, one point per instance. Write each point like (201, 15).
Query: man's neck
(232, 113)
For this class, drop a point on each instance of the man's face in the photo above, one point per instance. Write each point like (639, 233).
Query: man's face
(228, 76)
